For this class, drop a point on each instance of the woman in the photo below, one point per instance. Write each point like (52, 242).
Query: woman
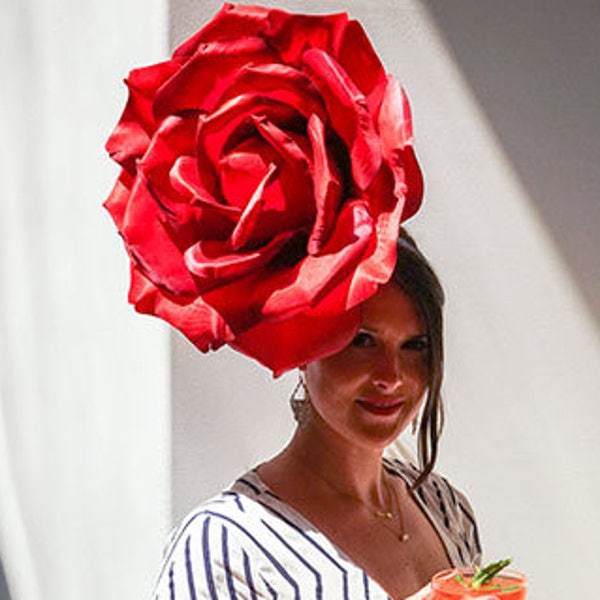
(266, 170)
(329, 513)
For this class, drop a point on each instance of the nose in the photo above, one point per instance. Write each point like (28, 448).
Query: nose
(387, 375)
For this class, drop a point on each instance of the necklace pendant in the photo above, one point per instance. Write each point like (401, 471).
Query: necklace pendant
(384, 514)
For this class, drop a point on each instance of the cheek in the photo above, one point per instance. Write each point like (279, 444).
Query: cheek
(329, 379)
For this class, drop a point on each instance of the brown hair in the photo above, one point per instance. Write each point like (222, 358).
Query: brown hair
(415, 276)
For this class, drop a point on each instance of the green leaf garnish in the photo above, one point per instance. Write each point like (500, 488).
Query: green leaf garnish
(486, 574)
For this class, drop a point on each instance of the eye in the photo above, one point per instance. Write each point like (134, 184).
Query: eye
(363, 339)
(418, 343)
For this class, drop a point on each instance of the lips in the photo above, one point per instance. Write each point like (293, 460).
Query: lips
(379, 406)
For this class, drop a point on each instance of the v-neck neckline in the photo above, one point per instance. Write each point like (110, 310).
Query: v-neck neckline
(307, 526)
(304, 523)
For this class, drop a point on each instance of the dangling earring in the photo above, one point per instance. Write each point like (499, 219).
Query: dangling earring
(300, 401)
(414, 425)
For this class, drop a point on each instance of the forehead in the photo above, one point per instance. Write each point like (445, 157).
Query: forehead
(392, 309)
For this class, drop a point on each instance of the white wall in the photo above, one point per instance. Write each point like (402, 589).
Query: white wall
(84, 426)
(507, 131)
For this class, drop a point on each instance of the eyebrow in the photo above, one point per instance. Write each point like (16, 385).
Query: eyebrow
(367, 329)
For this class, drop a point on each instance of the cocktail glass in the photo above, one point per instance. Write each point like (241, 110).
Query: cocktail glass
(453, 584)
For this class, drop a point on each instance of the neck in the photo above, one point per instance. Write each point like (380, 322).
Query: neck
(348, 469)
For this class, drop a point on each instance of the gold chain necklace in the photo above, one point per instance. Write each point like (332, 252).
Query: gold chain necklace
(385, 515)
(403, 536)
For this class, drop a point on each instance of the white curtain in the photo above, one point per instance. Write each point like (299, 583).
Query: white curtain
(84, 435)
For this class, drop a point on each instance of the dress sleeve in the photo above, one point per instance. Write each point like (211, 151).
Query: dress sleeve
(208, 559)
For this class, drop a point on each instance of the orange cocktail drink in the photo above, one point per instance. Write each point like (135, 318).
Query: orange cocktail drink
(455, 584)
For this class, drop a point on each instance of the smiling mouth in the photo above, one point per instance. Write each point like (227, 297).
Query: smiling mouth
(380, 407)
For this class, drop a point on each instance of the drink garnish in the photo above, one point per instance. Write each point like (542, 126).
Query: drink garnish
(484, 575)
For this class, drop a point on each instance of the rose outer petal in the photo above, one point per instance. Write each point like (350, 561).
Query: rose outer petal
(349, 113)
(327, 188)
(357, 56)
(292, 34)
(200, 82)
(378, 265)
(297, 341)
(232, 21)
(200, 323)
(144, 229)
(130, 138)
(395, 127)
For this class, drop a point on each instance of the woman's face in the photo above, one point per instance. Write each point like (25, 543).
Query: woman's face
(372, 389)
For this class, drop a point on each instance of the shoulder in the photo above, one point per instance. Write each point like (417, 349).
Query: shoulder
(244, 543)
(217, 551)
(435, 490)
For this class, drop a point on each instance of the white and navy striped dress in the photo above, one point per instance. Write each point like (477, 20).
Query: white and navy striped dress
(246, 544)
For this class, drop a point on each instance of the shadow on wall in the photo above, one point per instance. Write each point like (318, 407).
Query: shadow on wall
(4, 595)
(536, 75)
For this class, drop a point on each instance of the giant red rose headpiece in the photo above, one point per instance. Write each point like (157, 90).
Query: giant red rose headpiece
(266, 169)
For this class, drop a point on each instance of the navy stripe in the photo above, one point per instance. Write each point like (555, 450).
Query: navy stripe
(171, 583)
(278, 566)
(270, 589)
(189, 571)
(450, 491)
(366, 584)
(236, 498)
(474, 530)
(207, 561)
(318, 581)
(226, 563)
(250, 485)
(248, 574)
(314, 543)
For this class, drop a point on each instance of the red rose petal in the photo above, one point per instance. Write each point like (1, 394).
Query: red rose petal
(395, 126)
(212, 261)
(287, 199)
(118, 199)
(297, 341)
(174, 138)
(378, 265)
(131, 136)
(327, 189)
(283, 143)
(185, 179)
(357, 56)
(302, 287)
(349, 114)
(219, 128)
(277, 82)
(199, 83)
(231, 21)
(200, 323)
(245, 226)
(293, 34)
(147, 239)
